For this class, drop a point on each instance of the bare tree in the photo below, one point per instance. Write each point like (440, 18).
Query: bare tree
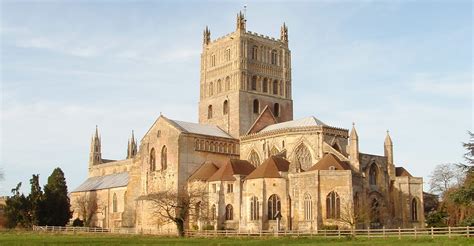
(444, 177)
(352, 214)
(87, 206)
(179, 206)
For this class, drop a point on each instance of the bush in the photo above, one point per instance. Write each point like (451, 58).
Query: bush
(469, 221)
(77, 222)
(195, 227)
(436, 219)
(208, 227)
(329, 227)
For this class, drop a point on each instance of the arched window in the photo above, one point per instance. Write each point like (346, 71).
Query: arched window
(275, 87)
(276, 109)
(254, 83)
(197, 210)
(209, 112)
(274, 151)
(254, 208)
(265, 85)
(114, 203)
(227, 54)
(254, 159)
(219, 86)
(211, 89)
(373, 174)
(229, 212)
(227, 83)
(333, 206)
(152, 159)
(414, 210)
(164, 158)
(256, 106)
(308, 207)
(213, 212)
(225, 107)
(303, 157)
(274, 206)
(254, 52)
(274, 57)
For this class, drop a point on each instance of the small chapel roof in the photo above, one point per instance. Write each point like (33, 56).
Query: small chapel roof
(230, 168)
(304, 122)
(205, 171)
(270, 168)
(402, 172)
(329, 160)
(201, 129)
(104, 182)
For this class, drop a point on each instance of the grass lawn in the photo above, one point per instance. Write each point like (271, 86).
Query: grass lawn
(35, 238)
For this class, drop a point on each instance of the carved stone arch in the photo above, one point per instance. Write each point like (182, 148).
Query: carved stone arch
(374, 173)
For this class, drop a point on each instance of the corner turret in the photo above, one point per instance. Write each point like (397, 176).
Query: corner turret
(388, 153)
(284, 33)
(354, 148)
(241, 22)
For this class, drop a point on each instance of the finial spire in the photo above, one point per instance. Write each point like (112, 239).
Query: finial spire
(388, 139)
(206, 36)
(284, 33)
(241, 21)
(353, 134)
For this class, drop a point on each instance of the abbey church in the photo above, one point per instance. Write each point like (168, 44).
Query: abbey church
(261, 169)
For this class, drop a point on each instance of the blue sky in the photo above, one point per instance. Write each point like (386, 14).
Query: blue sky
(67, 66)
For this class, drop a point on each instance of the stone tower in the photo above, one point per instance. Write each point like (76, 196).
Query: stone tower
(241, 74)
(95, 155)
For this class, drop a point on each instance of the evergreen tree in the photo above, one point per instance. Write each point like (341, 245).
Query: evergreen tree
(17, 209)
(35, 199)
(56, 206)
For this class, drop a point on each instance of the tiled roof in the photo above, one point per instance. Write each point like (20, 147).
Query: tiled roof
(104, 182)
(230, 168)
(201, 129)
(205, 171)
(329, 160)
(308, 121)
(270, 168)
(402, 172)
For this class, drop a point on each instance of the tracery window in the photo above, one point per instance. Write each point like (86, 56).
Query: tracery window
(227, 54)
(274, 151)
(227, 83)
(274, 57)
(275, 87)
(213, 212)
(164, 158)
(229, 212)
(303, 157)
(211, 89)
(333, 206)
(274, 206)
(308, 207)
(152, 159)
(254, 159)
(254, 208)
(219, 86)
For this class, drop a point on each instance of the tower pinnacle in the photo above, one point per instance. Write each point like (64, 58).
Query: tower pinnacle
(241, 21)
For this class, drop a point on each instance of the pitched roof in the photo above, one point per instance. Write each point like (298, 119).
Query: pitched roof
(308, 121)
(270, 168)
(202, 129)
(104, 182)
(400, 171)
(265, 119)
(230, 168)
(329, 160)
(205, 171)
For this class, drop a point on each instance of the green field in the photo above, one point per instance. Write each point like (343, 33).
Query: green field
(34, 238)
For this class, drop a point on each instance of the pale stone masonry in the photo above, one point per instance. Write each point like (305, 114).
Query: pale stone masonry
(262, 169)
